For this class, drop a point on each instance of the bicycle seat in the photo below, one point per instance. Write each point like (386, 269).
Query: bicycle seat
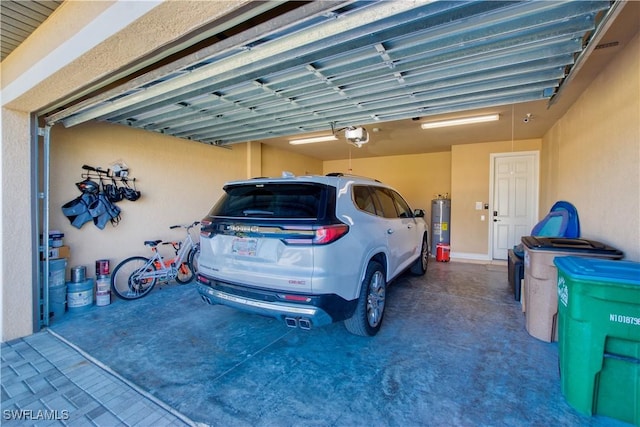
(152, 243)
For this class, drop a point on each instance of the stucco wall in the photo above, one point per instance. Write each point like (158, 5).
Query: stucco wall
(276, 161)
(591, 156)
(17, 250)
(419, 177)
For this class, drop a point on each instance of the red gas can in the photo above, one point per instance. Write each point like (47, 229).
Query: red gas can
(442, 252)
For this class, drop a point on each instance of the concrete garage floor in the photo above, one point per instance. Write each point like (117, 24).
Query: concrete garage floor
(453, 351)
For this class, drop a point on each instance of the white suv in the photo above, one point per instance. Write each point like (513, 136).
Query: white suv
(310, 250)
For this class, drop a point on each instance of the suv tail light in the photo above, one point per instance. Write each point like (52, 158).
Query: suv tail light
(329, 233)
(319, 235)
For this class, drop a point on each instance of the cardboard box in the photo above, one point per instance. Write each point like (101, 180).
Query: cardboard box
(61, 252)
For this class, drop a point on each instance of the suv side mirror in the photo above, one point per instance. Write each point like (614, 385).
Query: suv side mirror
(418, 213)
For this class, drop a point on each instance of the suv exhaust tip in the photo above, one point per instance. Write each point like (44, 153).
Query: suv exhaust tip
(291, 322)
(304, 324)
(298, 322)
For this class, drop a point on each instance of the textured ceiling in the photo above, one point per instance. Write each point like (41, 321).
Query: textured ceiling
(355, 63)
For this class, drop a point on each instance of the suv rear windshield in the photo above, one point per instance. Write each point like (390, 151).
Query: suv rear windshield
(264, 200)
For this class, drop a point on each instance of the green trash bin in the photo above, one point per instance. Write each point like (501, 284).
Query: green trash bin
(599, 336)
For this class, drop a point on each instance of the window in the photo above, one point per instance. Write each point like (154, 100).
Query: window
(387, 203)
(270, 201)
(363, 199)
(401, 206)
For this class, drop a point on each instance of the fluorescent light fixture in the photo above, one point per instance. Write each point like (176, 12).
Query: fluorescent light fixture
(314, 139)
(462, 121)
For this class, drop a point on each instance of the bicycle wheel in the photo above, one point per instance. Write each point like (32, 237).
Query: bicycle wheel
(185, 273)
(194, 254)
(128, 279)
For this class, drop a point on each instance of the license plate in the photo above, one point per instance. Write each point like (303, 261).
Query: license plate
(244, 247)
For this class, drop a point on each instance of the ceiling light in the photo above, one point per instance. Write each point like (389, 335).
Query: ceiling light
(463, 121)
(314, 139)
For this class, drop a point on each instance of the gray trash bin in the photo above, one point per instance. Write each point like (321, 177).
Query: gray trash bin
(540, 278)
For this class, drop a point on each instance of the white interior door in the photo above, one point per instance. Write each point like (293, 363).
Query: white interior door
(515, 199)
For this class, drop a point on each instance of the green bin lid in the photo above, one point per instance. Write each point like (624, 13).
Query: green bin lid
(599, 270)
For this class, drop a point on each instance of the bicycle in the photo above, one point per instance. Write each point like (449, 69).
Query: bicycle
(136, 276)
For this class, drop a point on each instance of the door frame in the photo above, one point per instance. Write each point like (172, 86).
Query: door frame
(536, 188)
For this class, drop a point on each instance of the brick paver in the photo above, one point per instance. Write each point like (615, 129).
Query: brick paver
(46, 382)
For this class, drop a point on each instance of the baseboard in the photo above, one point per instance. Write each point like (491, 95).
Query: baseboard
(466, 257)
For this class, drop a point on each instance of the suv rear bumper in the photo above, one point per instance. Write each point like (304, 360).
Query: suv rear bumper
(321, 310)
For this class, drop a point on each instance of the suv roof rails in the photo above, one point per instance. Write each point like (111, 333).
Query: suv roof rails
(354, 176)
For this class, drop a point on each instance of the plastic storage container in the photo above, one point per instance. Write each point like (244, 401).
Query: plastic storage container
(540, 275)
(599, 336)
(57, 271)
(443, 252)
(57, 286)
(57, 300)
(79, 295)
(516, 273)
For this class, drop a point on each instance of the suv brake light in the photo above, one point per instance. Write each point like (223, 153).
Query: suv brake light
(318, 234)
(329, 233)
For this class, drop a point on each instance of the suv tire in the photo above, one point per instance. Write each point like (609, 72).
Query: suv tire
(419, 268)
(367, 318)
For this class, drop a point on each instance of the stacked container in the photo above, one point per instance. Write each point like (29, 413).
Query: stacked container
(57, 287)
(103, 283)
(79, 290)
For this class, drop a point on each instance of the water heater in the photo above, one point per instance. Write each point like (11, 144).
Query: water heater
(440, 222)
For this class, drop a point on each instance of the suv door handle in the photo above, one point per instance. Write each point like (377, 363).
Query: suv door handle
(389, 231)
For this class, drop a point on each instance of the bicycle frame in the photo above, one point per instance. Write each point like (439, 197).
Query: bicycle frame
(136, 276)
(166, 270)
